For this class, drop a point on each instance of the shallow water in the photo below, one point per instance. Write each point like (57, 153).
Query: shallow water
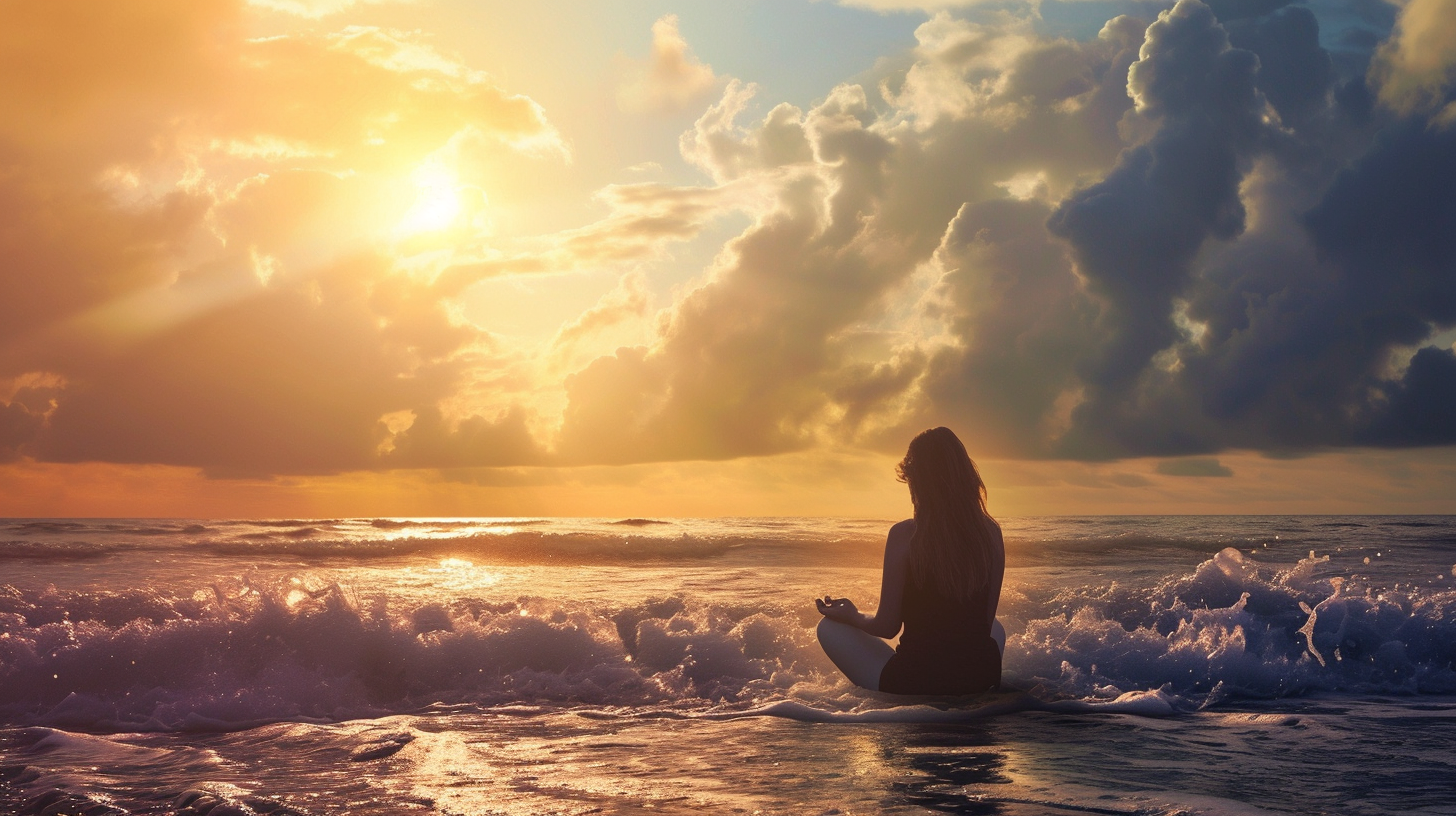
(1153, 665)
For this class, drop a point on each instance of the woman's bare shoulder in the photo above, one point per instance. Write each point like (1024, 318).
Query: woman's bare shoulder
(901, 533)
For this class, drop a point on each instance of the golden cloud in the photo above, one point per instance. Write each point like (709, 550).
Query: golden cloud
(671, 79)
(202, 236)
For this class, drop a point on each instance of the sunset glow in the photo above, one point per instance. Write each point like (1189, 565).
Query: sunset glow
(340, 257)
(437, 202)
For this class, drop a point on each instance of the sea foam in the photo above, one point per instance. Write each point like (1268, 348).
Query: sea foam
(232, 655)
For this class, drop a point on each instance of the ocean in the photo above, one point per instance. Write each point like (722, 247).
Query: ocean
(1154, 665)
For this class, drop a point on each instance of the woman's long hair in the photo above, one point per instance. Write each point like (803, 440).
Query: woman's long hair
(951, 548)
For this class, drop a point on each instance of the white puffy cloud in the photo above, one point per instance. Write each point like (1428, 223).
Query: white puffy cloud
(671, 79)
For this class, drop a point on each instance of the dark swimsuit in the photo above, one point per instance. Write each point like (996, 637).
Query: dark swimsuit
(946, 647)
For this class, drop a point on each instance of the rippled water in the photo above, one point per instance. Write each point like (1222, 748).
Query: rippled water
(1153, 665)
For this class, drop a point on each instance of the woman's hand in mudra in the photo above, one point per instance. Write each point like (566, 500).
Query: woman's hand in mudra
(840, 609)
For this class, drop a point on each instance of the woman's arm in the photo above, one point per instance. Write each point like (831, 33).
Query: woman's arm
(887, 619)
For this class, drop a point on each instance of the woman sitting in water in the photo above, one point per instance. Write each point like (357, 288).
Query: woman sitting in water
(942, 581)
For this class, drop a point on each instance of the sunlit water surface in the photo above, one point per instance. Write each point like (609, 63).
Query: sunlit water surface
(1154, 665)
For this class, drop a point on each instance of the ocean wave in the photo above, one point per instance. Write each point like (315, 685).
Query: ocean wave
(505, 545)
(48, 525)
(229, 656)
(1416, 524)
(645, 541)
(1060, 543)
(53, 550)
(528, 546)
(299, 651)
(1235, 628)
(451, 524)
(1063, 551)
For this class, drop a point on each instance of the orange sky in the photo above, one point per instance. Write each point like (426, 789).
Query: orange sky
(338, 258)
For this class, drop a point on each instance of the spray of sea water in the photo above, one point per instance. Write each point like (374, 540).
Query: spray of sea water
(1154, 665)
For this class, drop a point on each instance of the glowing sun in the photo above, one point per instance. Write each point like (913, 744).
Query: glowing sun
(437, 201)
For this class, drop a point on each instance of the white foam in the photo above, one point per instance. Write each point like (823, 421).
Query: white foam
(305, 649)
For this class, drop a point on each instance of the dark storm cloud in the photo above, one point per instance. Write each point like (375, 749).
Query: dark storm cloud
(1230, 10)
(1304, 317)
(1251, 274)
(1389, 226)
(1419, 405)
(1295, 72)
(1136, 233)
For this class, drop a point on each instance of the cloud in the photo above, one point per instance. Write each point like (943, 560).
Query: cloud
(743, 359)
(20, 422)
(1135, 233)
(1416, 406)
(671, 79)
(961, 69)
(1416, 67)
(1021, 322)
(746, 361)
(1190, 271)
(1296, 74)
(1174, 239)
(1193, 467)
(433, 440)
(194, 274)
(294, 379)
(727, 151)
(643, 221)
(629, 300)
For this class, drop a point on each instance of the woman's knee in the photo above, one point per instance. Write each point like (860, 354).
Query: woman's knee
(839, 640)
(832, 630)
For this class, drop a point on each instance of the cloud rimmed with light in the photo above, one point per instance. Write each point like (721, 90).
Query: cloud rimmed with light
(1187, 234)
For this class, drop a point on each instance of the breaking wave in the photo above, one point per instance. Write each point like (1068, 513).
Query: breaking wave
(220, 657)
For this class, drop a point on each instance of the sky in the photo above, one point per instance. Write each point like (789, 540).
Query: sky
(267, 258)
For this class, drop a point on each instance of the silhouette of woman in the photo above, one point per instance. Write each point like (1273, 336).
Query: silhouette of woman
(941, 582)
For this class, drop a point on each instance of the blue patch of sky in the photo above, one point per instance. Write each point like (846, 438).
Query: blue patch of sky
(796, 51)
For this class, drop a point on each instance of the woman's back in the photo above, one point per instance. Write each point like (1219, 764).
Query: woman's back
(946, 646)
(939, 588)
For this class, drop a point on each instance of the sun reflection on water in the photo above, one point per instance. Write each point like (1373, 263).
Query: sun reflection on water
(460, 573)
